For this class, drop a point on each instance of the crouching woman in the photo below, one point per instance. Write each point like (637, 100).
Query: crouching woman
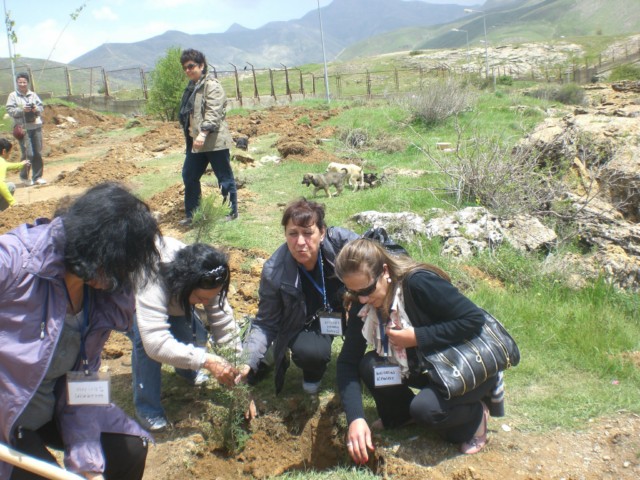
(65, 284)
(398, 332)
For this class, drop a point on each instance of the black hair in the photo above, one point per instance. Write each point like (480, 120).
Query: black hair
(304, 213)
(192, 268)
(5, 145)
(24, 75)
(109, 236)
(195, 56)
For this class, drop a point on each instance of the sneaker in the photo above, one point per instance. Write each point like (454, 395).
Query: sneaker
(311, 388)
(154, 424)
(201, 378)
(26, 182)
(185, 222)
(40, 181)
(231, 216)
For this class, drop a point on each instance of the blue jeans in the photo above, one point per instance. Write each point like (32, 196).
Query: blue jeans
(195, 164)
(31, 148)
(146, 373)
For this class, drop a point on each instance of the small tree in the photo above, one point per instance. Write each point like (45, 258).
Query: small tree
(167, 84)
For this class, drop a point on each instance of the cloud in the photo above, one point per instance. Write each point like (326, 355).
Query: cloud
(104, 13)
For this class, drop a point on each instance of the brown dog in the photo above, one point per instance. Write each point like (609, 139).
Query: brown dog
(322, 181)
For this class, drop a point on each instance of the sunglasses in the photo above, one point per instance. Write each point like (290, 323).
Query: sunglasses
(189, 66)
(364, 292)
(214, 278)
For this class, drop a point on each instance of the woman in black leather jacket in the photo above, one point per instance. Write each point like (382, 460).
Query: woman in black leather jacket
(300, 298)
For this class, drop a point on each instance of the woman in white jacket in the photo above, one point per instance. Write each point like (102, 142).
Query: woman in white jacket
(168, 329)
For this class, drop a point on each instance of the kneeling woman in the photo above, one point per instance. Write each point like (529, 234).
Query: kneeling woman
(399, 332)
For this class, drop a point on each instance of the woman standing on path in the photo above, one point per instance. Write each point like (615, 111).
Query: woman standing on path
(25, 107)
(202, 116)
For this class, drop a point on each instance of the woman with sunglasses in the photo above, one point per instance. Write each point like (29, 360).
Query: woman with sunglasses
(300, 307)
(439, 315)
(168, 329)
(202, 116)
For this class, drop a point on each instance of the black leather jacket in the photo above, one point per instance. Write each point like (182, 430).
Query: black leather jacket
(282, 311)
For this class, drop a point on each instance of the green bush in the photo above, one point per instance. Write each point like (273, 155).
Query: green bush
(568, 94)
(505, 80)
(167, 84)
(625, 72)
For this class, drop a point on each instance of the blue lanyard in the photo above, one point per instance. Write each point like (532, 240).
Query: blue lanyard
(384, 338)
(84, 326)
(322, 290)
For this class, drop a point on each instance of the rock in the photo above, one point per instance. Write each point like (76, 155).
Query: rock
(402, 227)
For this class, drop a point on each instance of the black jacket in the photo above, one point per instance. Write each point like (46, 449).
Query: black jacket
(282, 311)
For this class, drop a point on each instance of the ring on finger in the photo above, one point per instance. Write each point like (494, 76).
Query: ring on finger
(349, 444)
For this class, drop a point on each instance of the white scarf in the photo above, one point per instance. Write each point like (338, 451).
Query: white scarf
(371, 330)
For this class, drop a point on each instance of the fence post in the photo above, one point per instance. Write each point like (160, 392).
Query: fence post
(273, 90)
(286, 81)
(235, 74)
(32, 79)
(105, 80)
(368, 78)
(215, 73)
(143, 82)
(255, 83)
(68, 80)
(301, 82)
(313, 84)
(396, 79)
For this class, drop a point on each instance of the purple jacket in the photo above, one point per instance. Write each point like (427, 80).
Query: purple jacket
(33, 305)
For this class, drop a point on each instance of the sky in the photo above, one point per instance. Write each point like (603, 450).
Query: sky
(62, 30)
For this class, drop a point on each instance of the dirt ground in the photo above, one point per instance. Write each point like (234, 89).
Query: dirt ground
(291, 433)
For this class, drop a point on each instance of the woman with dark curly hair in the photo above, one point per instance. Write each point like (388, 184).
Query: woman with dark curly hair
(65, 284)
(168, 329)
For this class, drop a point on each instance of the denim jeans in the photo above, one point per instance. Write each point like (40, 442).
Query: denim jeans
(195, 164)
(31, 148)
(146, 372)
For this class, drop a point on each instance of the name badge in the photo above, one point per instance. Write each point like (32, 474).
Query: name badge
(92, 389)
(387, 375)
(330, 323)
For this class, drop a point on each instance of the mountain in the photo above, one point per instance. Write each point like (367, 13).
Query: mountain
(294, 42)
(511, 22)
(357, 28)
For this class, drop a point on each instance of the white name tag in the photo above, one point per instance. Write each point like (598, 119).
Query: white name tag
(387, 375)
(92, 389)
(331, 324)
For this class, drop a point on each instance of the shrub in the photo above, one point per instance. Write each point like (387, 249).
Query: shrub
(439, 100)
(167, 84)
(569, 94)
(625, 72)
(504, 80)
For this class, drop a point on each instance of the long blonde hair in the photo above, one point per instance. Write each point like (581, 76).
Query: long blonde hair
(369, 257)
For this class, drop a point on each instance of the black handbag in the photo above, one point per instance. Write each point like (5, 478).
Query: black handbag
(459, 368)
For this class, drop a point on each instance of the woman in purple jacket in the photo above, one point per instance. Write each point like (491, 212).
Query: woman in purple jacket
(65, 284)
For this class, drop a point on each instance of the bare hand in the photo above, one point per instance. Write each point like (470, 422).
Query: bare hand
(252, 411)
(93, 476)
(243, 373)
(26, 163)
(198, 142)
(359, 442)
(222, 370)
(405, 338)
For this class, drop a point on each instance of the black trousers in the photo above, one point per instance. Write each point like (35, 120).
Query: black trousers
(125, 455)
(311, 351)
(455, 420)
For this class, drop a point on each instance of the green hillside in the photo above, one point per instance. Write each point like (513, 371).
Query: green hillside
(516, 22)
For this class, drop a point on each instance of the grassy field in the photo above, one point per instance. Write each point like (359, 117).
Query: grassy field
(575, 343)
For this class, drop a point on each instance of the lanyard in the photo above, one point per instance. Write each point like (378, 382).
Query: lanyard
(84, 325)
(384, 338)
(322, 290)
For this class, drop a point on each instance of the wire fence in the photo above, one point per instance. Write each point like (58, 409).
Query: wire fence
(283, 84)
